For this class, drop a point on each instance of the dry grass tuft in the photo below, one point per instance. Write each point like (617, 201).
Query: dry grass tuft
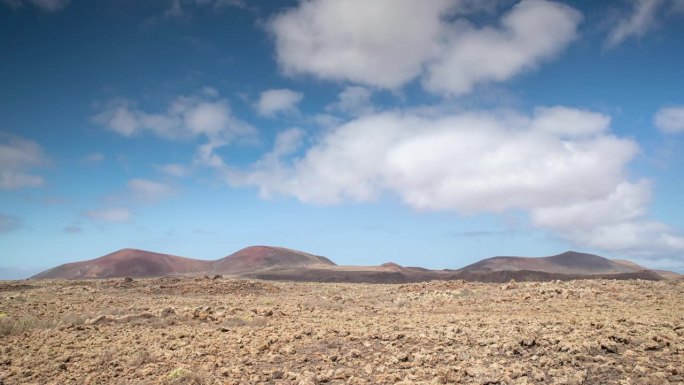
(141, 358)
(10, 325)
(182, 376)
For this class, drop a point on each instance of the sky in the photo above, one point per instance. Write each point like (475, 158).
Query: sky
(429, 133)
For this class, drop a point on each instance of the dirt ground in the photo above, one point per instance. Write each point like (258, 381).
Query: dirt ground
(223, 331)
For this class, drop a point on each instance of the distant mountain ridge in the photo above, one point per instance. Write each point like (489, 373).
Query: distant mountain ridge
(570, 262)
(278, 263)
(140, 263)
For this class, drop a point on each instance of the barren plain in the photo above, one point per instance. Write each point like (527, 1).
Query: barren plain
(225, 331)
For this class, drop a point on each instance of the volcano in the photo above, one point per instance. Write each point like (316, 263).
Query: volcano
(128, 263)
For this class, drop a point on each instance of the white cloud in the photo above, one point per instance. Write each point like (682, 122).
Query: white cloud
(115, 215)
(43, 5)
(361, 42)
(18, 156)
(560, 165)
(670, 120)
(617, 222)
(382, 43)
(468, 162)
(625, 203)
(641, 238)
(532, 32)
(174, 169)
(287, 142)
(206, 118)
(353, 100)
(278, 100)
(9, 223)
(125, 119)
(636, 24)
(569, 122)
(147, 191)
(205, 114)
(326, 120)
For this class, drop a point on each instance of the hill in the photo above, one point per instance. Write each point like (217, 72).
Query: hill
(568, 263)
(127, 263)
(259, 258)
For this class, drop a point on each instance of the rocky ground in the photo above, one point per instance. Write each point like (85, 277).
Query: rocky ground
(222, 331)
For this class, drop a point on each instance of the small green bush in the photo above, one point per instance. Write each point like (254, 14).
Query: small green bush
(178, 373)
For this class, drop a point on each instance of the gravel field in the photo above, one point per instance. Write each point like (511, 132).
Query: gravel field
(224, 331)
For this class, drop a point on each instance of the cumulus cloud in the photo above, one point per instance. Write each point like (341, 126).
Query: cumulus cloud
(670, 120)
(359, 41)
(122, 117)
(148, 191)
(353, 100)
(567, 122)
(637, 23)
(43, 5)
(625, 203)
(532, 32)
(468, 162)
(560, 165)
(286, 143)
(204, 115)
(617, 222)
(9, 223)
(274, 101)
(18, 157)
(113, 215)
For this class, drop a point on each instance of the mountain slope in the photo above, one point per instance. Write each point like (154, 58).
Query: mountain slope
(128, 263)
(257, 258)
(570, 262)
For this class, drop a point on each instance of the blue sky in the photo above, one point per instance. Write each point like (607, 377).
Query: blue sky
(427, 133)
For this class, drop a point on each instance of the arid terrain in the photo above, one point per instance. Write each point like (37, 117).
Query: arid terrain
(216, 330)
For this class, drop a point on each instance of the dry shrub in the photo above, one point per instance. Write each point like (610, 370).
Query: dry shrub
(181, 376)
(10, 325)
(142, 357)
(105, 357)
(74, 319)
